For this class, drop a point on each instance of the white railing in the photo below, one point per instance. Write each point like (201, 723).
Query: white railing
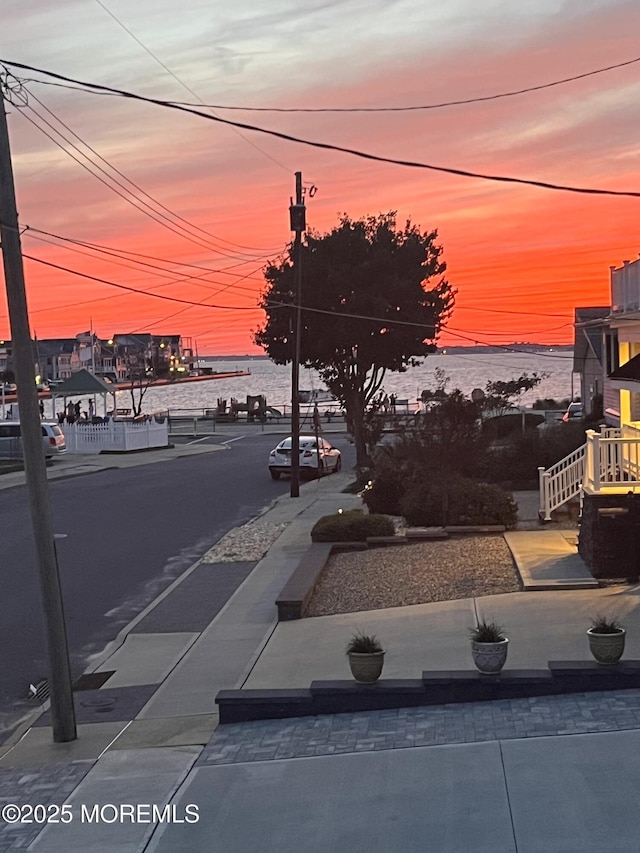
(561, 482)
(612, 460)
(608, 462)
(115, 436)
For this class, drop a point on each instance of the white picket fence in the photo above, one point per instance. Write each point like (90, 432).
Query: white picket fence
(116, 436)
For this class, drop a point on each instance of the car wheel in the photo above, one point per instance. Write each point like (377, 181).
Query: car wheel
(275, 475)
(338, 465)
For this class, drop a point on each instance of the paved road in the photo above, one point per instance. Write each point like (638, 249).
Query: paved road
(129, 533)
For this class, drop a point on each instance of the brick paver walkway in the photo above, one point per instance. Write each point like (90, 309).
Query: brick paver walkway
(347, 733)
(42, 786)
(579, 713)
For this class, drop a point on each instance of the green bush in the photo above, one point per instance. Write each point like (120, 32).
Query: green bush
(457, 502)
(518, 460)
(388, 482)
(351, 526)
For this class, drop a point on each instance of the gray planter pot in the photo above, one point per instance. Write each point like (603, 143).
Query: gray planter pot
(366, 668)
(607, 649)
(489, 657)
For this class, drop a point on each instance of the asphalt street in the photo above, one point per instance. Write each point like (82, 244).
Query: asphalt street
(127, 534)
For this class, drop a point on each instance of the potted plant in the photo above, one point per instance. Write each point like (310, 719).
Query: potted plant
(488, 647)
(366, 657)
(606, 639)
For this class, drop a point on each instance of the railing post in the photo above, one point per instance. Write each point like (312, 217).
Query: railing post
(593, 437)
(547, 496)
(542, 503)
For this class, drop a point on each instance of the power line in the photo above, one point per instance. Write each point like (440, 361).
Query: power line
(197, 280)
(184, 85)
(504, 311)
(145, 209)
(123, 253)
(135, 290)
(326, 146)
(388, 322)
(415, 108)
(139, 203)
(409, 108)
(505, 347)
(136, 186)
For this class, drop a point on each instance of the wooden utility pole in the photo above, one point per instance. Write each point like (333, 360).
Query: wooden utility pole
(60, 690)
(298, 224)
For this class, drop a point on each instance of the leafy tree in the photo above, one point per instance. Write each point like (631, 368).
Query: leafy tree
(501, 396)
(369, 305)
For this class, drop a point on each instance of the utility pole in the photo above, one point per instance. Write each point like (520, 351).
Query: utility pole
(60, 690)
(298, 224)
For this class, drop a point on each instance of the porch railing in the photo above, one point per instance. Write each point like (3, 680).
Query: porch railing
(609, 461)
(562, 482)
(612, 460)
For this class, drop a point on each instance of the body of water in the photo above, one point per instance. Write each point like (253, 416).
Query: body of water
(465, 372)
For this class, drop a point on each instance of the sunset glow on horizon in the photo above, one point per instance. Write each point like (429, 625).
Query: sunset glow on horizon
(208, 206)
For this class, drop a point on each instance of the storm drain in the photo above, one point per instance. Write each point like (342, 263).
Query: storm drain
(38, 691)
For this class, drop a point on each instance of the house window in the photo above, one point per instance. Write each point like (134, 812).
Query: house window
(634, 399)
(612, 353)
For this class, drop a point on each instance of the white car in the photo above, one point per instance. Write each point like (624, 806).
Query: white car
(328, 457)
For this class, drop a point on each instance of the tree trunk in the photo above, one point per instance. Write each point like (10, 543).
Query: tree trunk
(356, 417)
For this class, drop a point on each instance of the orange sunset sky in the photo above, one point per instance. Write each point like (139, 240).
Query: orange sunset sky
(221, 196)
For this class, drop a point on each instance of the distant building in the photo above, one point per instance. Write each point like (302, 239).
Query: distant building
(122, 357)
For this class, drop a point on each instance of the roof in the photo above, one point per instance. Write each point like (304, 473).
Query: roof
(630, 370)
(55, 346)
(585, 315)
(82, 382)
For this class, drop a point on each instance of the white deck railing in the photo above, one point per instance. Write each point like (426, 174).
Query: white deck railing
(612, 461)
(115, 436)
(562, 482)
(608, 462)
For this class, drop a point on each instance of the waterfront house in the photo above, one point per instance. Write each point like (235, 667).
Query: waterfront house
(608, 359)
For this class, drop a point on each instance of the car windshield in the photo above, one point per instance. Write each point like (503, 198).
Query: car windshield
(303, 442)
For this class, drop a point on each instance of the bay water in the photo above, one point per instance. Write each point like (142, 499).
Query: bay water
(463, 371)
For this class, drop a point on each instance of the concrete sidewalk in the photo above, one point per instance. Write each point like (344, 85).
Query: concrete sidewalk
(148, 735)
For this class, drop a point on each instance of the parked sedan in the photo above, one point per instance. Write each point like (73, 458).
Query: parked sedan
(575, 412)
(313, 462)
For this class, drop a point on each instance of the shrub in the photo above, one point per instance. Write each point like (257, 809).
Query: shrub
(388, 482)
(460, 501)
(518, 460)
(351, 526)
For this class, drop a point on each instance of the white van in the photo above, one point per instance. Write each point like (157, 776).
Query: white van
(11, 443)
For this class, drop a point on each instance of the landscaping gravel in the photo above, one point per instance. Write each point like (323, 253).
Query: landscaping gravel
(418, 573)
(248, 543)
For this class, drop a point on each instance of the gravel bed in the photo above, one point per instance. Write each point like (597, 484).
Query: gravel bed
(415, 574)
(245, 544)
